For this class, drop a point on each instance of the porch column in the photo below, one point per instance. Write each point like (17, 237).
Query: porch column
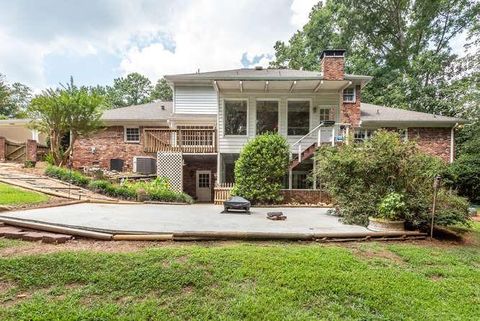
(219, 165)
(314, 173)
(289, 178)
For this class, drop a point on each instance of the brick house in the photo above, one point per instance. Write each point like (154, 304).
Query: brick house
(197, 137)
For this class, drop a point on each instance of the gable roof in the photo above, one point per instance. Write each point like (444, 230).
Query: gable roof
(257, 74)
(157, 110)
(384, 116)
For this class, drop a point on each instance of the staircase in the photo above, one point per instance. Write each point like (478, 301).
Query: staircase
(325, 133)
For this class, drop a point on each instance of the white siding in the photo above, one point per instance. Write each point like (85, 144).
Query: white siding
(195, 100)
(233, 144)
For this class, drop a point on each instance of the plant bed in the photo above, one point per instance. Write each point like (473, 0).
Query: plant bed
(157, 190)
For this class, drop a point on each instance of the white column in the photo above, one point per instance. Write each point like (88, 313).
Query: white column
(333, 136)
(452, 144)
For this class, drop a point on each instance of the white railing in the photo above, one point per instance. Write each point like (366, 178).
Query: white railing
(320, 132)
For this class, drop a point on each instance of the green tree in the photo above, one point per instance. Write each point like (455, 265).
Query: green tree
(66, 111)
(14, 99)
(260, 169)
(162, 91)
(405, 45)
(134, 89)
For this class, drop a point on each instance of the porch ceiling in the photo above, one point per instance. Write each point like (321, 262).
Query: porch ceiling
(301, 86)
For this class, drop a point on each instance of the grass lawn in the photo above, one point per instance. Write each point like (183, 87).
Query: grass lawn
(248, 281)
(10, 195)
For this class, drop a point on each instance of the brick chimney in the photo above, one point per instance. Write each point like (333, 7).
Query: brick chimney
(332, 62)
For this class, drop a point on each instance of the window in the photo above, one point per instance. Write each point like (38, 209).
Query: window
(361, 135)
(324, 114)
(204, 180)
(298, 117)
(267, 116)
(349, 95)
(235, 117)
(132, 134)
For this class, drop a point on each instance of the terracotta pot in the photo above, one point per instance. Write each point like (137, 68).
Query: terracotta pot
(382, 225)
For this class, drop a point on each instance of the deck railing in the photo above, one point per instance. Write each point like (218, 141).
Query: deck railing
(193, 141)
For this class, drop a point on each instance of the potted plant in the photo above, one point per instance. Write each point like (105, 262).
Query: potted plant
(390, 214)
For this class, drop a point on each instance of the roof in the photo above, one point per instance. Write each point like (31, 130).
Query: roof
(258, 74)
(381, 115)
(157, 110)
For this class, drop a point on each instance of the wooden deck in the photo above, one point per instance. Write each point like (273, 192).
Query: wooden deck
(194, 141)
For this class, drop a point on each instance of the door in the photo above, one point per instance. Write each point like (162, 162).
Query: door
(204, 183)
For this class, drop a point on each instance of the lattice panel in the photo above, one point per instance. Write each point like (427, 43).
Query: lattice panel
(170, 165)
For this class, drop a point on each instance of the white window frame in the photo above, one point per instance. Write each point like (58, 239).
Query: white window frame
(354, 95)
(223, 114)
(278, 100)
(125, 134)
(310, 116)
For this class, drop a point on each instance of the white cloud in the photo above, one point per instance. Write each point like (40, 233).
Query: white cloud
(205, 34)
(301, 9)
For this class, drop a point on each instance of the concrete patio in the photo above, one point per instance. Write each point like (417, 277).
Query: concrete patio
(194, 220)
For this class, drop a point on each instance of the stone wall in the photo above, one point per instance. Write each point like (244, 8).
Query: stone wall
(350, 112)
(194, 163)
(101, 147)
(434, 141)
(3, 149)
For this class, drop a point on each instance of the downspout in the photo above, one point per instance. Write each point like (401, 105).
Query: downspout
(452, 143)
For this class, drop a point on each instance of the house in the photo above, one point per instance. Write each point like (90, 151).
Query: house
(197, 137)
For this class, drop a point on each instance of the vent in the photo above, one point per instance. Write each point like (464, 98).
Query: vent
(116, 164)
(144, 165)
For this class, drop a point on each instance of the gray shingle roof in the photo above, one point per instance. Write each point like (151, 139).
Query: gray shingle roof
(151, 111)
(257, 74)
(371, 114)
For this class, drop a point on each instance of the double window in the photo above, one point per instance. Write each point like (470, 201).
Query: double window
(349, 95)
(298, 117)
(267, 116)
(132, 134)
(235, 117)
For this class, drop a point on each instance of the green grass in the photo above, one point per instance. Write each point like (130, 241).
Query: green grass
(10, 195)
(246, 281)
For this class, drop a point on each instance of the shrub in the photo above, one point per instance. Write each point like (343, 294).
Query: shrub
(464, 174)
(260, 169)
(67, 175)
(391, 207)
(360, 176)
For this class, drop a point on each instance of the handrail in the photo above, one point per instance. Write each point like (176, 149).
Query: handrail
(308, 134)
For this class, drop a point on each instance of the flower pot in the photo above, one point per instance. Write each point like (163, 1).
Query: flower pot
(382, 225)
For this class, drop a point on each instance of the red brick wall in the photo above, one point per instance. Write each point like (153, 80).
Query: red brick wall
(192, 164)
(434, 141)
(333, 68)
(3, 149)
(350, 112)
(31, 150)
(108, 143)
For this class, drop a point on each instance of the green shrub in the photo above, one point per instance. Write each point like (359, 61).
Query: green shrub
(67, 175)
(360, 176)
(391, 207)
(260, 169)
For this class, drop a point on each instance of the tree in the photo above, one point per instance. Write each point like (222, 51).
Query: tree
(405, 45)
(260, 169)
(66, 111)
(162, 91)
(4, 98)
(14, 99)
(134, 89)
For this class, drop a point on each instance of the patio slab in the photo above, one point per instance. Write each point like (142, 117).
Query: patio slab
(154, 218)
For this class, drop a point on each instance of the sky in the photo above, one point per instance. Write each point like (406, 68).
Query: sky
(43, 42)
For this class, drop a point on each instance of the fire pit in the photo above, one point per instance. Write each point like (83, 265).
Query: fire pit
(237, 203)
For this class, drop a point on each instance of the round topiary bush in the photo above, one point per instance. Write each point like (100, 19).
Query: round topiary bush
(260, 169)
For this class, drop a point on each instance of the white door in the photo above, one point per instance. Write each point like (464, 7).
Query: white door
(204, 183)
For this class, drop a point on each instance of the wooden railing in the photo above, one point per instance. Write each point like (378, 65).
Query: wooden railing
(199, 141)
(222, 193)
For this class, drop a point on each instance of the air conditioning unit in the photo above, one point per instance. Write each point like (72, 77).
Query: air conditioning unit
(144, 165)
